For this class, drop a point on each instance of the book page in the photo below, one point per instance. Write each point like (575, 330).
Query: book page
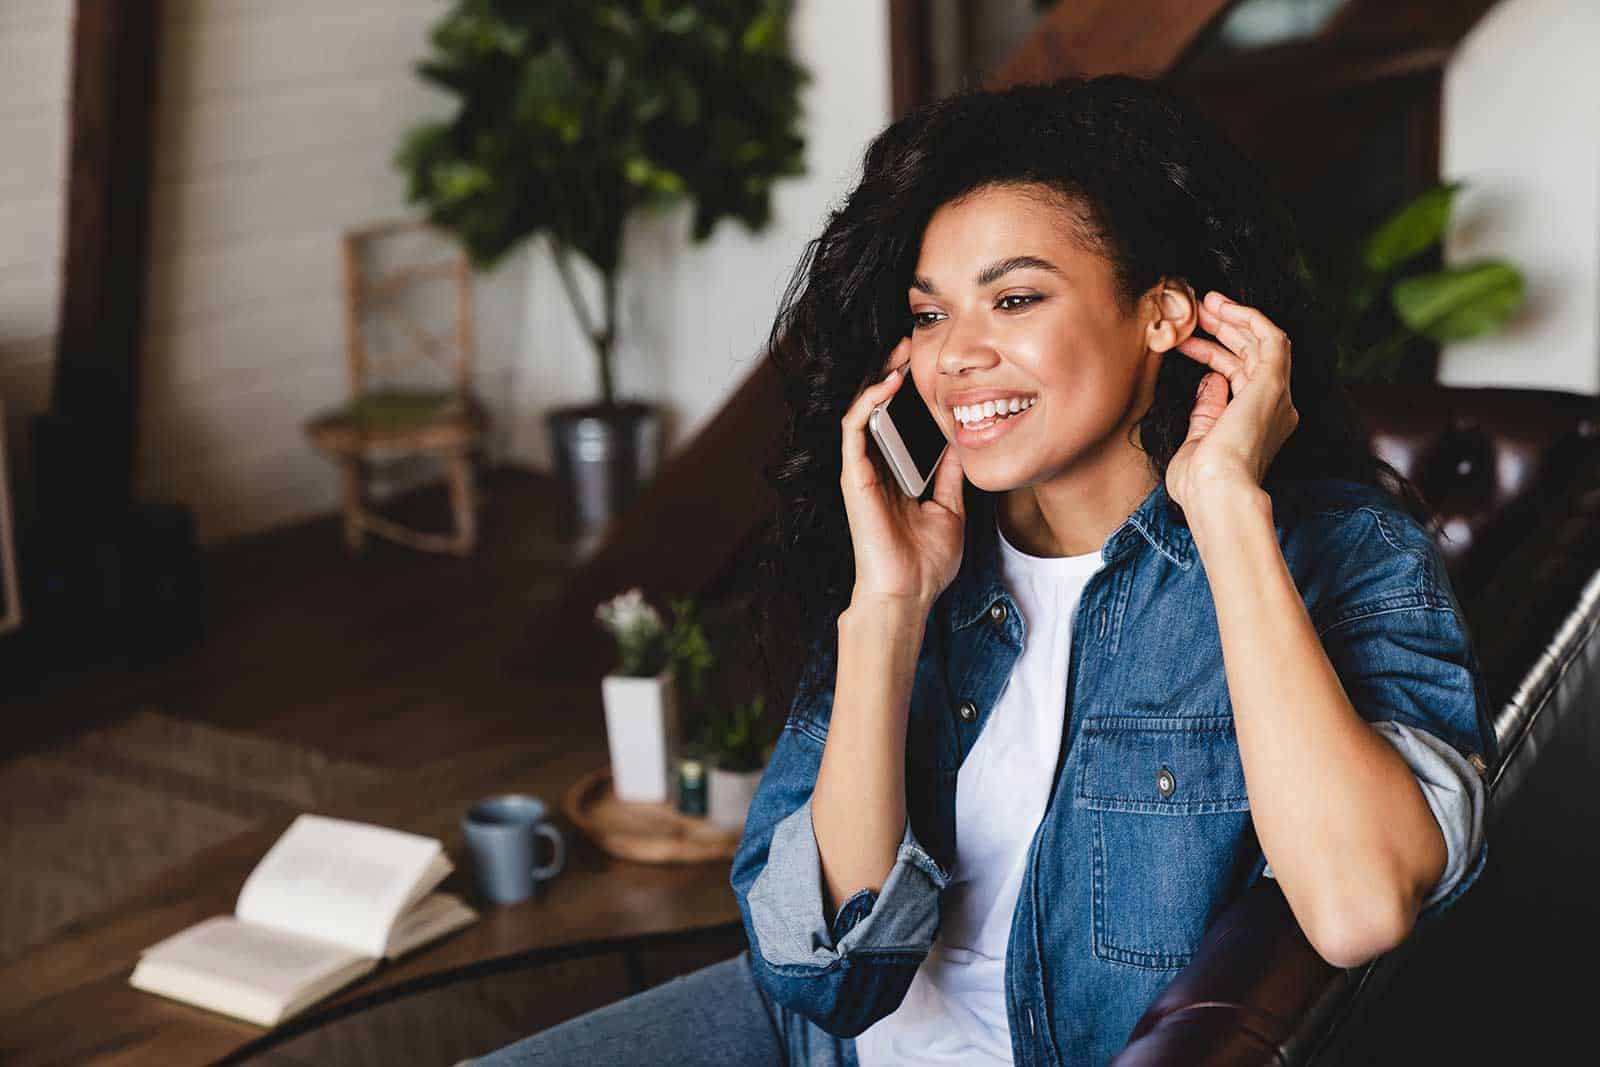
(437, 872)
(439, 914)
(337, 880)
(244, 970)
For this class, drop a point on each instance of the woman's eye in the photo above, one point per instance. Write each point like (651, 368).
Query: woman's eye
(920, 319)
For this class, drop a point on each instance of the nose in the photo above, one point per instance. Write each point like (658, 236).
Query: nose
(967, 347)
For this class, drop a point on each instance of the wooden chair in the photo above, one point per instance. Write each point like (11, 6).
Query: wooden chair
(388, 414)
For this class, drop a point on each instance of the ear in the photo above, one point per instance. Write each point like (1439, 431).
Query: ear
(1174, 317)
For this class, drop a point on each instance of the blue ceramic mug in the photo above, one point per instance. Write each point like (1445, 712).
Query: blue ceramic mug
(503, 833)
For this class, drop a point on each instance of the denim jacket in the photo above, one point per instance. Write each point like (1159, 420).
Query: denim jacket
(1123, 874)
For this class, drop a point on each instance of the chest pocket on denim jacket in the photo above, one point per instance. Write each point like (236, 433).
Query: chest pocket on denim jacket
(1170, 815)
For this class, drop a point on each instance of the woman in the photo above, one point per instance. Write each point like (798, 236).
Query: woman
(1161, 626)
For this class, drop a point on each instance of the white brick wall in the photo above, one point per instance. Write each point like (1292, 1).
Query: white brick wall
(34, 46)
(275, 124)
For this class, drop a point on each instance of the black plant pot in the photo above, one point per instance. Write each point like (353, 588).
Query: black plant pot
(604, 454)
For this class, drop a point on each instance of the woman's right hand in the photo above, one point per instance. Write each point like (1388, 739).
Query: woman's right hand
(905, 549)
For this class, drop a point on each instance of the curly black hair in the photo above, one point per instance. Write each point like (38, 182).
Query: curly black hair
(1157, 190)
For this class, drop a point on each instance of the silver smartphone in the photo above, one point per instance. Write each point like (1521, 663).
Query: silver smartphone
(909, 438)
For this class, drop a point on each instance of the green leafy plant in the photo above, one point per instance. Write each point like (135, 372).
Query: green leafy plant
(1453, 304)
(690, 651)
(736, 739)
(572, 113)
(648, 645)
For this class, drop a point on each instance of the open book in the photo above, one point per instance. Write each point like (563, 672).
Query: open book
(325, 904)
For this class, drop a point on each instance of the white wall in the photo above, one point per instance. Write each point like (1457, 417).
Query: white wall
(35, 43)
(1521, 126)
(694, 317)
(275, 124)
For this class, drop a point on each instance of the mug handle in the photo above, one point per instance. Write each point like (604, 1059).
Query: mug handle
(558, 845)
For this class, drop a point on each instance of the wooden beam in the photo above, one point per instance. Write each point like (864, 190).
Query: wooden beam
(909, 76)
(96, 382)
(1089, 37)
(1397, 24)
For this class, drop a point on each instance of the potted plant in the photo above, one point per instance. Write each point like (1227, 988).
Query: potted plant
(640, 694)
(1383, 312)
(735, 745)
(573, 115)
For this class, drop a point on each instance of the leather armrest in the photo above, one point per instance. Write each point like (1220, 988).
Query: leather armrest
(1254, 986)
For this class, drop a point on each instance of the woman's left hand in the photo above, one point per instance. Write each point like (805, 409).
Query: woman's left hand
(1232, 442)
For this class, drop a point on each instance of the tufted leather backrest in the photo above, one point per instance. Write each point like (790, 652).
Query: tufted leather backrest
(1514, 475)
(1482, 457)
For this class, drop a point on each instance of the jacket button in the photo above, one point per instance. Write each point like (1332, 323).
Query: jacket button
(1165, 782)
(968, 710)
(997, 611)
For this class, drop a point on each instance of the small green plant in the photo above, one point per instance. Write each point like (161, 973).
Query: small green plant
(691, 652)
(1453, 304)
(736, 739)
(648, 645)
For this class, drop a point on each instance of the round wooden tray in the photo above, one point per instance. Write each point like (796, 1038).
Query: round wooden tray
(646, 833)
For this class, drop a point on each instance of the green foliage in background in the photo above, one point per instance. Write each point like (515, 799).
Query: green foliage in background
(737, 739)
(1453, 304)
(690, 651)
(574, 113)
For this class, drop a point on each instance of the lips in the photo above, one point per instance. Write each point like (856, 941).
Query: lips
(989, 430)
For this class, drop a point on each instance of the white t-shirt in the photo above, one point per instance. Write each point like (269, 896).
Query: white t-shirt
(955, 1009)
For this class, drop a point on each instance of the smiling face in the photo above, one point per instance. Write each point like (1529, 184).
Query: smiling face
(1020, 347)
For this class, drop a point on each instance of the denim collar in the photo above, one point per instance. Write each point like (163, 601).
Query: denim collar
(977, 585)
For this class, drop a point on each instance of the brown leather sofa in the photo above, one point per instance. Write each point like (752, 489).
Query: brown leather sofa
(1515, 473)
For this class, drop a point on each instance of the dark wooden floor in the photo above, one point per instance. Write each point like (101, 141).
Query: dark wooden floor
(393, 657)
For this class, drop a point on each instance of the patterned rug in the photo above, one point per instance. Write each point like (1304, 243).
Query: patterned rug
(88, 820)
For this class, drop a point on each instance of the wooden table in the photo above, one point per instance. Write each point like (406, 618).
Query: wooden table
(69, 1001)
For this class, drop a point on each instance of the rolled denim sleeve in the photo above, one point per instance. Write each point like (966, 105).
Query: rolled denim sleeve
(1396, 635)
(1386, 612)
(786, 901)
(847, 974)
(1455, 794)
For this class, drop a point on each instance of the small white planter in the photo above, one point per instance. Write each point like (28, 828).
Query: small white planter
(641, 735)
(728, 795)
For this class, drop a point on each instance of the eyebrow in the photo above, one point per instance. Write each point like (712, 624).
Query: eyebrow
(994, 272)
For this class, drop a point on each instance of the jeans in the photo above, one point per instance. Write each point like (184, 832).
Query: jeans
(716, 1015)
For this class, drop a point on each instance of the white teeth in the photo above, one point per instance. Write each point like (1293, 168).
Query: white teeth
(971, 414)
